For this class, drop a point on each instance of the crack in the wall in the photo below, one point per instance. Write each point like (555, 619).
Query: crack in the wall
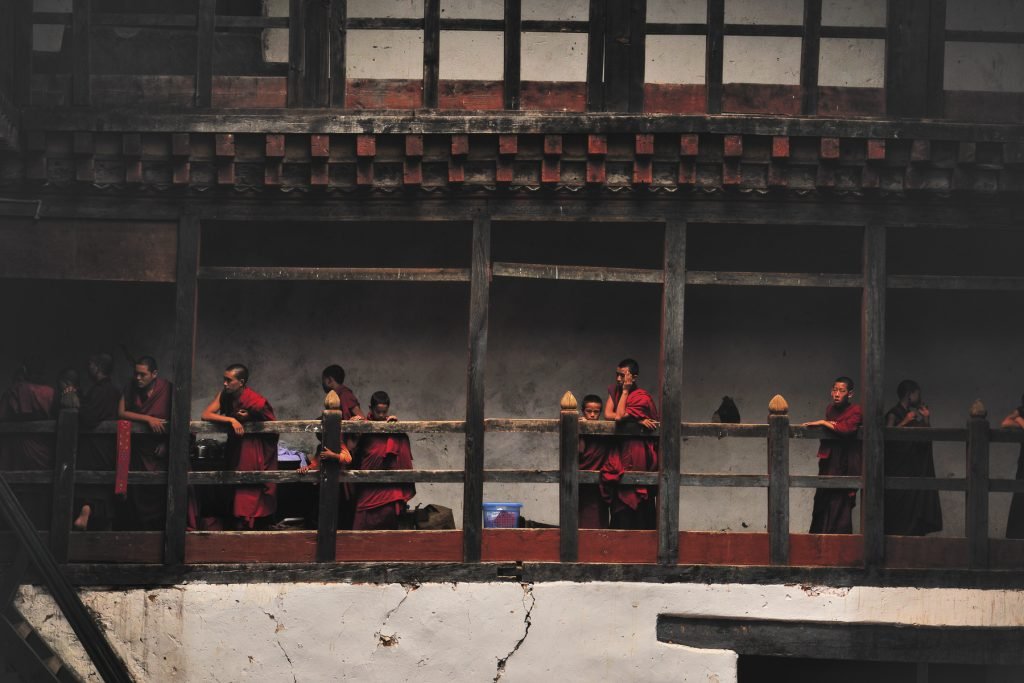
(528, 621)
(278, 627)
(385, 640)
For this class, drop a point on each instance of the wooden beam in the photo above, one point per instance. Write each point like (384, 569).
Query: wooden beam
(778, 481)
(906, 58)
(872, 392)
(810, 55)
(431, 51)
(334, 274)
(595, 54)
(616, 56)
(338, 42)
(186, 300)
(479, 305)
(671, 365)
(637, 53)
(64, 484)
(81, 69)
(204, 52)
(296, 52)
(316, 59)
(569, 480)
(715, 55)
(588, 273)
(977, 486)
(511, 78)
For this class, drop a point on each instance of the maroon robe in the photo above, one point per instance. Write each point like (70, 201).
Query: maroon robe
(251, 453)
(631, 454)
(841, 456)
(593, 510)
(27, 402)
(148, 504)
(382, 452)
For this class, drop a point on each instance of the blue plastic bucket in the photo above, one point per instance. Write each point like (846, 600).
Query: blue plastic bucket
(501, 515)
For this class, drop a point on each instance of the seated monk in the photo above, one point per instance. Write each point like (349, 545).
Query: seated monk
(593, 510)
(632, 507)
(253, 506)
(378, 506)
(27, 401)
(147, 400)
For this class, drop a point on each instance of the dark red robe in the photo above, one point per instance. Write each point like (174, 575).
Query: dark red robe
(251, 453)
(910, 513)
(148, 504)
(593, 509)
(27, 402)
(631, 454)
(97, 452)
(381, 452)
(840, 456)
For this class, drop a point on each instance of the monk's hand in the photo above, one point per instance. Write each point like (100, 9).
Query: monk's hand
(648, 423)
(392, 418)
(924, 412)
(237, 427)
(303, 469)
(357, 418)
(344, 457)
(627, 381)
(157, 425)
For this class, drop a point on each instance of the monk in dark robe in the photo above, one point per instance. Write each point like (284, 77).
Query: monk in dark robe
(27, 401)
(910, 513)
(147, 400)
(838, 455)
(378, 506)
(593, 510)
(253, 506)
(1015, 522)
(632, 507)
(97, 452)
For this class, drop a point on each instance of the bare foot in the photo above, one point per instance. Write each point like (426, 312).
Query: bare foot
(81, 522)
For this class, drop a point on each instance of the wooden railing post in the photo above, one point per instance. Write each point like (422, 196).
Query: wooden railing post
(205, 22)
(569, 480)
(327, 515)
(977, 485)
(670, 443)
(778, 480)
(871, 391)
(63, 504)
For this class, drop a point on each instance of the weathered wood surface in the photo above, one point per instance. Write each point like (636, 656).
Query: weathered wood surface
(479, 306)
(587, 273)
(204, 21)
(977, 503)
(671, 378)
(810, 56)
(63, 509)
(872, 391)
(336, 274)
(327, 512)
(778, 488)
(568, 481)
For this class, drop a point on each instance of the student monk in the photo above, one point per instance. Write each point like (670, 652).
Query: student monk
(593, 510)
(838, 455)
(378, 506)
(28, 401)
(632, 507)
(95, 502)
(147, 400)
(235, 404)
(910, 513)
(1015, 522)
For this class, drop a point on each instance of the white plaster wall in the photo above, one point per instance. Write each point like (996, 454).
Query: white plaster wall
(757, 59)
(677, 11)
(554, 57)
(466, 632)
(851, 62)
(472, 56)
(764, 11)
(853, 12)
(675, 59)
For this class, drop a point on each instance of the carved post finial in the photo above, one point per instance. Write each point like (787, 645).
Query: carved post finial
(568, 402)
(332, 401)
(978, 409)
(778, 405)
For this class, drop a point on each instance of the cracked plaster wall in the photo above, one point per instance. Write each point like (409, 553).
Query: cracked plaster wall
(465, 632)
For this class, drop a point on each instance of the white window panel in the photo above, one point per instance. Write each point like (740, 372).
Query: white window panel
(472, 56)
(556, 10)
(852, 63)
(757, 59)
(995, 67)
(472, 9)
(985, 15)
(384, 54)
(764, 12)
(853, 12)
(675, 59)
(677, 11)
(386, 9)
(554, 57)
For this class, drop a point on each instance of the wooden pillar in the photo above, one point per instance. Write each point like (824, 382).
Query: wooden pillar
(338, 38)
(569, 480)
(937, 59)
(778, 480)
(81, 64)
(872, 393)
(431, 51)
(479, 303)
(63, 503)
(977, 485)
(715, 55)
(810, 56)
(512, 79)
(595, 54)
(671, 361)
(206, 20)
(624, 52)
(296, 52)
(327, 518)
(316, 57)
(909, 70)
(186, 293)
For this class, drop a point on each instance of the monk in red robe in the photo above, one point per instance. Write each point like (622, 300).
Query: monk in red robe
(236, 404)
(378, 506)
(97, 452)
(838, 455)
(593, 510)
(632, 507)
(26, 401)
(147, 400)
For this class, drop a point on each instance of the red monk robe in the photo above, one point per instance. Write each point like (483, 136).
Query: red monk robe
(148, 504)
(833, 508)
(593, 510)
(378, 506)
(631, 454)
(251, 453)
(27, 402)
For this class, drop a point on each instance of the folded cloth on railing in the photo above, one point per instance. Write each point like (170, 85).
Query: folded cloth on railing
(124, 456)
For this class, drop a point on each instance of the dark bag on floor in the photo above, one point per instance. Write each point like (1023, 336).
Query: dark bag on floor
(432, 517)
